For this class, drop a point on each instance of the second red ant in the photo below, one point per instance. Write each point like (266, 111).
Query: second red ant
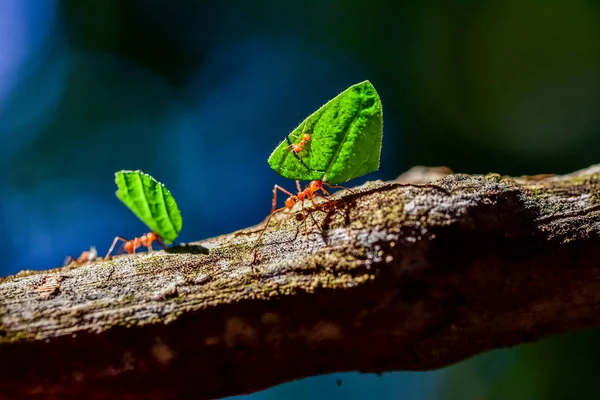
(131, 246)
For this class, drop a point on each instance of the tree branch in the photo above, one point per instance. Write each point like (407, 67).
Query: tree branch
(402, 277)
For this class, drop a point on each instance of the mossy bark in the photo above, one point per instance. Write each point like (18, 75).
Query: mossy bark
(402, 277)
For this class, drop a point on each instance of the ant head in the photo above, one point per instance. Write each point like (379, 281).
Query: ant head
(148, 238)
(306, 137)
(151, 236)
(316, 185)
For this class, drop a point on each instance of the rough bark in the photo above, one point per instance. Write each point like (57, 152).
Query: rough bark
(401, 277)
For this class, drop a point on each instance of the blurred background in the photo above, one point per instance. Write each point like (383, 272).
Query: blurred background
(199, 93)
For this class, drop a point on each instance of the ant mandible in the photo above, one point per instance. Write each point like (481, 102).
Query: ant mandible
(131, 245)
(311, 191)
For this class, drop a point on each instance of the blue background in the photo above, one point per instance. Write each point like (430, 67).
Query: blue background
(199, 94)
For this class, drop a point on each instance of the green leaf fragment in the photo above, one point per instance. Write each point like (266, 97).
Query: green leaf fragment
(345, 143)
(151, 201)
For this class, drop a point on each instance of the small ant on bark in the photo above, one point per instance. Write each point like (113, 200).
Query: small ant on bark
(86, 256)
(310, 193)
(130, 246)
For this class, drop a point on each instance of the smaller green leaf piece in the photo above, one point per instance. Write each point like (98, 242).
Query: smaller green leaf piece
(345, 139)
(151, 201)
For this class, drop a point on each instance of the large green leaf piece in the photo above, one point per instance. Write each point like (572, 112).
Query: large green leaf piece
(345, 139)
(151, 201)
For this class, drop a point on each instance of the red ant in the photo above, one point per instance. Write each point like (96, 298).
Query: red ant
(131, 245)
(309, 193)
(299, 147)
(88, 255)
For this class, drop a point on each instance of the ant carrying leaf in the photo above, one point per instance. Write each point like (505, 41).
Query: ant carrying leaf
(153, 203)
(345, 144)
(345, 139)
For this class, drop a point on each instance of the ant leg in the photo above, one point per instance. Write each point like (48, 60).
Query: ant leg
(302, 152)
(117, 238)
(302, 133)
(273, 212)
(304, 221)
(315, 222)
(337, 187)
(325, 191)
(121, 249)
(297, 136)
(268, 220)
(303, 129)
(274, 202)
(304, 213)
(298, 186)
(310, 214)
(328, 199)
(307, 214)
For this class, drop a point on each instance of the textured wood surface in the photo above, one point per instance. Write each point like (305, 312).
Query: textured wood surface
(402, 277)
